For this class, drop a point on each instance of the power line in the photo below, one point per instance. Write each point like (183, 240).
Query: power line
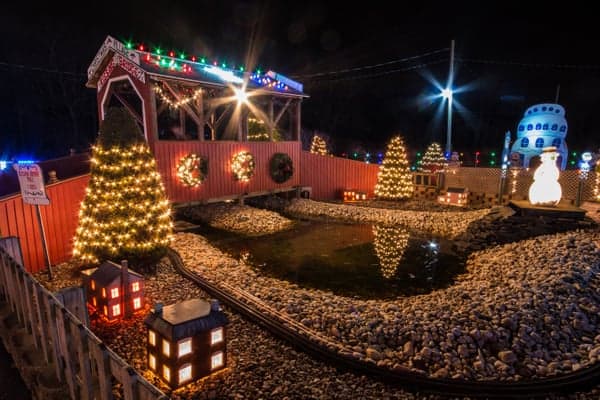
(521, 64)
(374, 75)
(40, 69)
(366, 67)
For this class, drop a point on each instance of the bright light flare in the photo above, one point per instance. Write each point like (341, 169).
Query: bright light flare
(446, 93)
(240, 95)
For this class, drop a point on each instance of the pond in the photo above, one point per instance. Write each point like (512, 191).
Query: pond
(362, 260)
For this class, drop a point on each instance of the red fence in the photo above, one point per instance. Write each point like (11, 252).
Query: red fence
(59, 218)
(329, 176)
(219, 181)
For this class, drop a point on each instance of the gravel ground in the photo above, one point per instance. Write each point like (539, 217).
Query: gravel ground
(534, 316)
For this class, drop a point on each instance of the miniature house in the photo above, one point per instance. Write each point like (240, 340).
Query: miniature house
(455, 196)
(543, 125)
(186, 341)
(114, 290)
(354, 195)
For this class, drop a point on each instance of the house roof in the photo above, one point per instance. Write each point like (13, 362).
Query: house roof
(176, 68)
(185, 319)
(108, 271)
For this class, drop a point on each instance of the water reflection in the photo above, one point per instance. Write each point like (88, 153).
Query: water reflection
(369, 261)
(390, 243)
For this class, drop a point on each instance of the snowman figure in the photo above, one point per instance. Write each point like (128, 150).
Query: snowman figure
(545, 190)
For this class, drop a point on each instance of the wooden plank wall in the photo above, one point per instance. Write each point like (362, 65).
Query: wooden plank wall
(219, 181)
(60, 219)
(329, 176)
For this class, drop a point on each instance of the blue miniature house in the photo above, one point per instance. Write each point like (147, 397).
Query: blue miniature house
(542, 125)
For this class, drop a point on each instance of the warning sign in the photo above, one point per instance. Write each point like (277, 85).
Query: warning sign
(31, 180)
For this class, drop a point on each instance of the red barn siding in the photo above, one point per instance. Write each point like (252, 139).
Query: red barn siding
(329, 176)
(59, 218)
(219, 181)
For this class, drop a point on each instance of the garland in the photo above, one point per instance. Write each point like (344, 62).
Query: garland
(192, 170)
(242, 166)
(281, 167)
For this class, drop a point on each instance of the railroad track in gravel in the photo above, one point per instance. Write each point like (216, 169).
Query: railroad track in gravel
(306, 340)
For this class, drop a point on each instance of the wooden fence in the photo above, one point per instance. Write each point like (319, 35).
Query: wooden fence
(329, 176)
(84, 365)
(219, 181)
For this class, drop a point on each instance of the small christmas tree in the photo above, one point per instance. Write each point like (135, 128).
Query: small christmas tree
(125, 213)
(318, 146)
(394, 180)
(433, 159)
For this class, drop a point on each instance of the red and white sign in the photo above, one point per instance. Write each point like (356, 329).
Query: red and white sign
(31, 180)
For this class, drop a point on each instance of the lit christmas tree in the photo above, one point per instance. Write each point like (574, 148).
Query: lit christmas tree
(433, 159)
(318, 146)
(394, 180)
(125, 213)
(390, 242)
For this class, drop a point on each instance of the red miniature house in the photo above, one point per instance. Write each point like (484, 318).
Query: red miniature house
(114, 290)
(455, 196)
(186, 341)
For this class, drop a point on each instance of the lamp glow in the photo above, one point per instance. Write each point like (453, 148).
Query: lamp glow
(240, 95)
(446, 93)
(545, 189)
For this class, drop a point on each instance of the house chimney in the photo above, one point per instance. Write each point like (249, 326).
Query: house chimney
(214, 305)
(158, 307)
(127, 308)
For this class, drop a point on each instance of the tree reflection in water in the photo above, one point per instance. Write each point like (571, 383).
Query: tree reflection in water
(390, 243)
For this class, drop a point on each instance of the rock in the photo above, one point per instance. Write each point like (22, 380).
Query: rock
(373, 354)
(507, 356)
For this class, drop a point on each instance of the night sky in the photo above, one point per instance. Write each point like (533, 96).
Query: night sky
(507, 58)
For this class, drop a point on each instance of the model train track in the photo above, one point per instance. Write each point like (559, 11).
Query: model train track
(329, 351)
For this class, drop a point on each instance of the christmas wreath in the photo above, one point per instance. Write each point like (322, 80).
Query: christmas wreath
(242, 166)
(281, 167)
(192, 170)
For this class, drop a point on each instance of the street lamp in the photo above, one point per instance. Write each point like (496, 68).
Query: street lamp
(447, 94)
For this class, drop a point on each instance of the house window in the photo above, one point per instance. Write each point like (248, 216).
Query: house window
(539, 142)
(529, 127)
(114, 293)
(216, 336)
(93, 284)
(152, 338)
(538, 126)
(216, 361)
(152, 362)
(563, 128)
(166, 348)
(185, 373)
(556, 142)
(184, 347)
(545, 127)
(116, 310)
(135, 287)
(524, 142)
(94, 302)
(105, 309)
(137, 303)
(554, 127)
(521, 128)
(104, 292)
(166, 373)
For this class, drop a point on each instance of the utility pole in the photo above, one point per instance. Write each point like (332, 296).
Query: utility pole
(557, 93)
(449, 89)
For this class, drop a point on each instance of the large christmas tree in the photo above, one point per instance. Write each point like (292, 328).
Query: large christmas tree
(394, 180)
(434, 159)
(318, 146)
(125, 213)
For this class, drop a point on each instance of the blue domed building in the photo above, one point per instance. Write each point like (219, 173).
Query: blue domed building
(543, 125)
